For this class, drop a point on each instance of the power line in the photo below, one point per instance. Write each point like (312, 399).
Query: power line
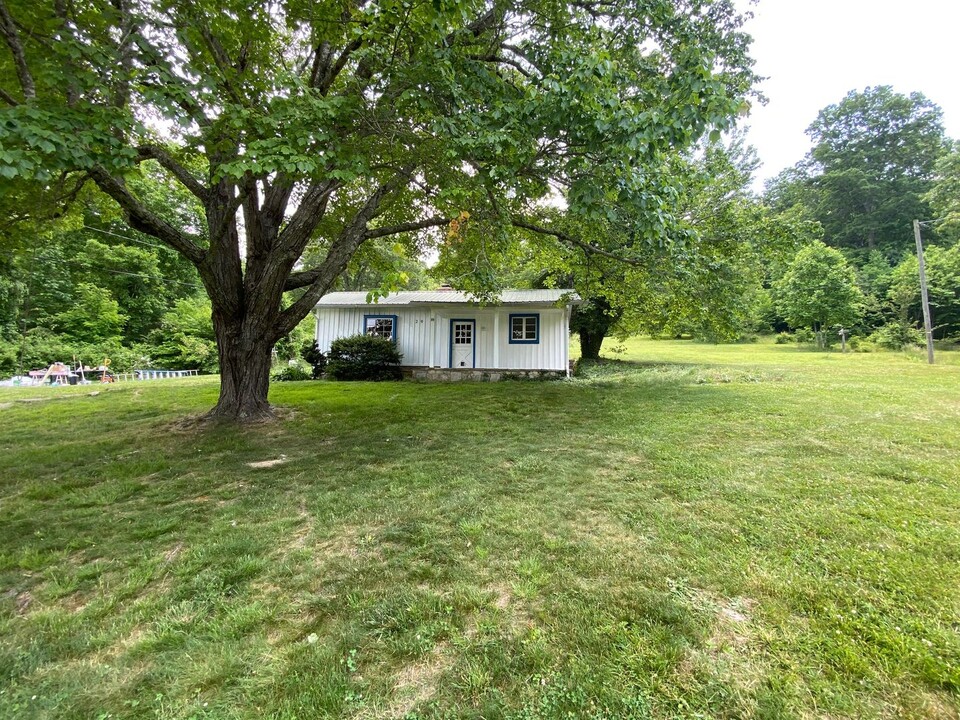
(138, 275)
(130, 239)
(141, 242)
(90, 267)
(121, 272)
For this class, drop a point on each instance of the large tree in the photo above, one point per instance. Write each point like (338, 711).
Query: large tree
(296, 123)
(944, 195)
(702, 279)
(873, 158)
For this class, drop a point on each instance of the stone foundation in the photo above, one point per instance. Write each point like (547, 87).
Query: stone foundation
(477, 374)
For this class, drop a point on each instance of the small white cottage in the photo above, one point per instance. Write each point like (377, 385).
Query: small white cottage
(446, 334)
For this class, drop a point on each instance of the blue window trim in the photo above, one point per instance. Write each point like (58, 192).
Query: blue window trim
(462, 320)
(393, 335)
(510, 339)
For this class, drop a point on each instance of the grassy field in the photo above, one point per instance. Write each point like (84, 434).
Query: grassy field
(691, 531)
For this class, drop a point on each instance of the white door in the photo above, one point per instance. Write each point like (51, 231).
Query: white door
(461, 343)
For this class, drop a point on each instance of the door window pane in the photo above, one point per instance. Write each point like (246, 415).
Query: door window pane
(462, 333)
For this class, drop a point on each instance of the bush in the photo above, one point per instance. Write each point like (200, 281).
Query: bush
(783, 338)
(364, 357)
(310, 352)
(185, 339)
(804, 335)
(896, 336)
(291, 373)
(948, 343)
(860, 345)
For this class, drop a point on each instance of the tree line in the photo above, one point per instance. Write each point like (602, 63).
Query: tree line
(828, 244)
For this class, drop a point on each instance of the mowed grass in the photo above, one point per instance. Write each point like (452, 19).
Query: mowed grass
(750, 531)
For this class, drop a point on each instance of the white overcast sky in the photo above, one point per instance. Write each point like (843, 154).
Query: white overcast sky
(814, 51)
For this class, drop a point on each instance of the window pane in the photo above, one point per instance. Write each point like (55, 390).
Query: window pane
(380, 327)
(523, 328)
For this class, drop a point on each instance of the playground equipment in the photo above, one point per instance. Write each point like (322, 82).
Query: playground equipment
(57, 374)
(62, 374)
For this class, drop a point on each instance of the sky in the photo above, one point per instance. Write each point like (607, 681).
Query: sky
(814, 52)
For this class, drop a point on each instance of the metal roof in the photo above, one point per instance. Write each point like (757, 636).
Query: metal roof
(441, 297)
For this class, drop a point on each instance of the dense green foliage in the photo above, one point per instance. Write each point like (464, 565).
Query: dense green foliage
(696, 531)
(944, 196)
(85, 286)
(819, 290)
(291, 373)
(708, 280)
(880, 160)
(873, 160)
(943, 281)
(364, 357)
(311, 354)
(327, 126)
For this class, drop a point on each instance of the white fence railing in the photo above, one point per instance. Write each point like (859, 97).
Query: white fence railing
(153, 375)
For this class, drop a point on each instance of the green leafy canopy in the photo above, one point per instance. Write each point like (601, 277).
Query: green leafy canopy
(819, 289)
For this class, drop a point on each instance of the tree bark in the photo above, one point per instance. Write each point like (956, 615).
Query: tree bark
(245, 351)
(590, 342)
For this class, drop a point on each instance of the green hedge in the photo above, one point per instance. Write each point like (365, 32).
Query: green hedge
(364, 357)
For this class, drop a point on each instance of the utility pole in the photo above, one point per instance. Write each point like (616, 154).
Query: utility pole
(923, 292)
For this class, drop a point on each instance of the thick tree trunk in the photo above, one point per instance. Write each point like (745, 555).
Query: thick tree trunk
(590, 342)
(245, 353)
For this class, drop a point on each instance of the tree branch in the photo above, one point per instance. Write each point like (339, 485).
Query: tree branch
(276, 197)
(295, 236)
(72, 91)
(220, 59)
(323, 73)
(57, 206)
(573, 242)
(494, 58)
(143, 219)
(125, 48)
(308, 277)
(7, 98)
(406, 227)
(9, 30)
(166, 79)
(167, 162)
(485, 22)
(339, 254)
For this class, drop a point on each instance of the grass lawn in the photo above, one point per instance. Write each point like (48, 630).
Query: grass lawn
(692, 531)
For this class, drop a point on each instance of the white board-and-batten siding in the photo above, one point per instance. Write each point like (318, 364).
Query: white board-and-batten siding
(423, 334)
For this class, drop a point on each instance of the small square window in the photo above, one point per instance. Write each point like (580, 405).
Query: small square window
(384, 326)
(525, 329)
